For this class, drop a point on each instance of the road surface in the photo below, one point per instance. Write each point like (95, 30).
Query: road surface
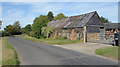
(34, 53)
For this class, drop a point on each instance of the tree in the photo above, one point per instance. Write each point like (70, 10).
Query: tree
(50, 15)
(10, 29)
(46, 30)
(27, 29)
(59, 16)
(17, 27)
(14, 29)
(104, 20)
(37, 25)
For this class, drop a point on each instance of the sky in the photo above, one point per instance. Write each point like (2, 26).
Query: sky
(26, 12)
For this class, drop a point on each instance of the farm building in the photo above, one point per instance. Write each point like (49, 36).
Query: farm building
(86, 27)
(110, 29)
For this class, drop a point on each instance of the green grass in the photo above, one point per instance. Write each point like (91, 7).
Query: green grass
(9, 55)
(52, 41)
(110, 52)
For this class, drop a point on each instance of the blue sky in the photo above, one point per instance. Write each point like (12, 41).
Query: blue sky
(25, 12)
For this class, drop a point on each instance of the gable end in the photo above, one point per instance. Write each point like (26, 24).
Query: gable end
(95, 20)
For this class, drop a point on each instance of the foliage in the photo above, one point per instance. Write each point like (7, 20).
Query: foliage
(104, 20)
(17, 27)
(27, 29)
(31, 33)
(4, 33)
(50, 15)
(59, 16)
(14, 29)
(23, 30)
(37, 25)
(10, 29)
(46, 31)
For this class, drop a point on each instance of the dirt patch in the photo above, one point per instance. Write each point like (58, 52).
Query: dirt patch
(87, 48)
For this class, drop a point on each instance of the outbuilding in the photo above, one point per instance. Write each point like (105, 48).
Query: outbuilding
(87, 27)
(111, 29)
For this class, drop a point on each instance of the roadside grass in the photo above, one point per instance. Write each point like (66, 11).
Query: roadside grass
(110, 52)
(52, 41)
(9, 55)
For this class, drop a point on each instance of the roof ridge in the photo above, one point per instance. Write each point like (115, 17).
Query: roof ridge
(83, 14)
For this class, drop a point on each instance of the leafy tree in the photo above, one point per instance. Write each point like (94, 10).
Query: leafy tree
(23, 30)
(104, 20)
(17, 27)
(59, 16)
(50, 15)
(46, 31)
(37, 25)
(10, 29)
(13, 29)
(27, 29)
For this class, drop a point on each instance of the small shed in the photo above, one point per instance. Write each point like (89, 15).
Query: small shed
(110, 29)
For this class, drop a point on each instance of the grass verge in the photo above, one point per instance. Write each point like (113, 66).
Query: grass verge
(9, 55)
(110, 52)
(52, 41)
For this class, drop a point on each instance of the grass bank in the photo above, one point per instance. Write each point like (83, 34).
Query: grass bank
(52, 41)
(9, 55)
(110, 52)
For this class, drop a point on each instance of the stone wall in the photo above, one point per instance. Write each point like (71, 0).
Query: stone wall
(68, 33)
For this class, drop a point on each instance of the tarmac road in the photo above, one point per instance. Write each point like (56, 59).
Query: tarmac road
(34, 53)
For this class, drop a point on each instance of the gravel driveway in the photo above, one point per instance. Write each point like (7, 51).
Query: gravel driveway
(88, 48)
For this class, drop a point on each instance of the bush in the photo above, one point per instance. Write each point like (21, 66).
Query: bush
(31, 33)
(4, 33)
(46, 31)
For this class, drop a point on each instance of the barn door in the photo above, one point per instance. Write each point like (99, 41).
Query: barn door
(93, 33)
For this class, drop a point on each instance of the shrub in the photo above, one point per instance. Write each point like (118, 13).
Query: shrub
(46, 31)
(4, 33)
(31, 33)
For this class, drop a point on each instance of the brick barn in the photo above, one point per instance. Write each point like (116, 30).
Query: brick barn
(87, 27)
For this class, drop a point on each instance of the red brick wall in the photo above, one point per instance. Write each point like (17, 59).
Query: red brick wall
(73, 34)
